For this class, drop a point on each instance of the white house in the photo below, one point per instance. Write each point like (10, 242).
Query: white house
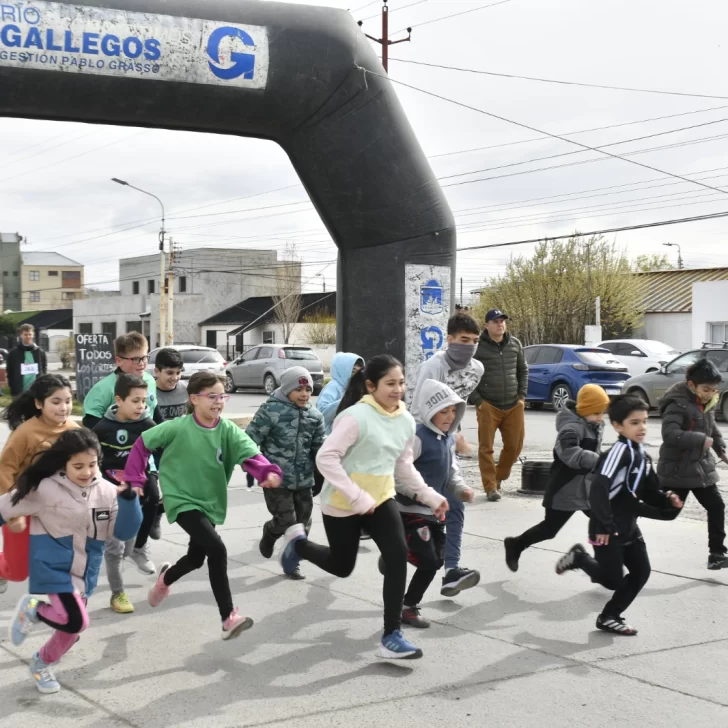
(710, 313)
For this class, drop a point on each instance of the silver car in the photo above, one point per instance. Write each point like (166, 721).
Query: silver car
(652, 386)
(196, 359)
(261, 367)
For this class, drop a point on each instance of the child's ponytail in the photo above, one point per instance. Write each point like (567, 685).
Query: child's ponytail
(24, 408)
(53, 460)
(376, 368)
(355, 390)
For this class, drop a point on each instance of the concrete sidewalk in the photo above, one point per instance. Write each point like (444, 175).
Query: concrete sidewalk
(518, 650)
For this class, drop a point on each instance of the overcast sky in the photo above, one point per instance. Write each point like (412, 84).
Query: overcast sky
(54, 185)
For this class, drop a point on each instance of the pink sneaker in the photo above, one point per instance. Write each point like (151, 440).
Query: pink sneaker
(235, 624)
(160, 591)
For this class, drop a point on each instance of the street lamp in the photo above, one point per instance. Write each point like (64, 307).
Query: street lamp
(165, 337)
(679, 253)
(323, 280)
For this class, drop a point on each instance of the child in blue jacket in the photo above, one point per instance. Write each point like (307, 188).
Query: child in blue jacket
(343, 365)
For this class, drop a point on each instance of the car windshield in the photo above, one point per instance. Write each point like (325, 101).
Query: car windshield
(658, 348)
(300, 354)
(201, 356)
(598, 358)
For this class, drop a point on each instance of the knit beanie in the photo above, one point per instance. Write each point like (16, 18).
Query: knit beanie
(591, 400)
(293, 378)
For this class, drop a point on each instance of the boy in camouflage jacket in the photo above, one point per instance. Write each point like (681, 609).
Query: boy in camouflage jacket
(289, 432)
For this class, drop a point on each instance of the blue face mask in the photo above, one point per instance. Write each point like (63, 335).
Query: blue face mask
(460, 355)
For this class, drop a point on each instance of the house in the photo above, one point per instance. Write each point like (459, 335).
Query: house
(206, 280)
(710, 313)
(669, 306)
(254, 321)
(10, 271)
(49, 281)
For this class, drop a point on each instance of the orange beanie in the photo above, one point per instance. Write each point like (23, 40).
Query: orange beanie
(591, 400)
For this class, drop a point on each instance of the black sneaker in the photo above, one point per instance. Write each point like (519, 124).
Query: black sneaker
(717, 561)
(571, 560)
(411, 616)
(380, 564)
(513, 553)
(615, 625)
(267, 543)
(296, 574)
(156, 532)
(457, 580)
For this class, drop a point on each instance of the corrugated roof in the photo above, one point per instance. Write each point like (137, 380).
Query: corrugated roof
(671, 291)
(47, 258)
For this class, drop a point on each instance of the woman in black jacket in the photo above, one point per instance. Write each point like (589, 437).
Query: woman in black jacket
(689, 433)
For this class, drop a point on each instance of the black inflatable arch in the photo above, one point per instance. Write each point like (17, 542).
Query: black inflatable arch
(343, 129)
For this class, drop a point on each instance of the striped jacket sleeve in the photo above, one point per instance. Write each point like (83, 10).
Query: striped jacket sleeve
(608, 467)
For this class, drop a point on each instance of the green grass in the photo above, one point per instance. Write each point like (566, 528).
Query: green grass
(17, 316)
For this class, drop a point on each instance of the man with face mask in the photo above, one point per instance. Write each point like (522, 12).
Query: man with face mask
(455, 367)
(500, 398)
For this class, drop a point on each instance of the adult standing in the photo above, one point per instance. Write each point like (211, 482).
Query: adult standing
(26, 362)
(500, 401)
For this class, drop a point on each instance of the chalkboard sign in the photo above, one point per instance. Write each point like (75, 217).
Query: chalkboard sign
(94, 361)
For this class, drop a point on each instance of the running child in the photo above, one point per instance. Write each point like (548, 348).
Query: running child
(71, 508)
(580, 427)
(624, 488)
(289, 432)
(37, 418)
(456, 368)
(201, 450)
(435, 459)
(343, 367)
(689, 433)
(370, 444)
(131, 354)
(123, 425)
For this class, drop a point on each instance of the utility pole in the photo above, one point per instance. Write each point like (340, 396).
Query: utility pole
(173, 250)
(384, 40)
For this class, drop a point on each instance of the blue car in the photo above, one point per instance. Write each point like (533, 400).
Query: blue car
(556, 372)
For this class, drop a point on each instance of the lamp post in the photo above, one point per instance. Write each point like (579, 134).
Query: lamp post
(162, 282)
(679, 253)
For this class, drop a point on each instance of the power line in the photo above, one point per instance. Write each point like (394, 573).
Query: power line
(394, 10)
(364, 7)
(564, 83)
(456, 15)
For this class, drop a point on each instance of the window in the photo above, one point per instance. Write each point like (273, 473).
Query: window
(269, 337)
(718, 333)
(719, 358)
(34, 275)
(70, 295)
(85, 328)
(53, 273)
(549, 355)
(34, 296)
(109, 328)
(531, 354)
(71, 279)
(183, 284)
(15, 274)
(212, 357)
(201, 356)
(150, 287)
(249, 355)
(134, 326)
(626, 349)
(300, 354)
(266, 352)
(680, 365)
(135, 288)
(609, 346)
(5, 273)
(598, 359)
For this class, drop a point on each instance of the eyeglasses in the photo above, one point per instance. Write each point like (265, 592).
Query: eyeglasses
(136, 359)
(214, 397)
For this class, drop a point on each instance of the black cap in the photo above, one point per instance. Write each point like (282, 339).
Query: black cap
(494, 313)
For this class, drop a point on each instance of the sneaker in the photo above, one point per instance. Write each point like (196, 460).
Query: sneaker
(381, 566)
(24, 619)
(457, 580)
(267, 544)
(513, 553)
(615, 625)
(120, 603)
(141, 560)
(717, 561)
(395, 647)
(3, 586)
(44, 678)
(289, 558)
(411, 616)
(494, 496)
(297, 574)
(160, 591)
(156, 531)
(235, 624)
(571, 560)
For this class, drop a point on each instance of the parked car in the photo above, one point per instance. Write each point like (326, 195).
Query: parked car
(652, 387)
(196, 359)
(261, 367)
(640, 355)
(556, 372)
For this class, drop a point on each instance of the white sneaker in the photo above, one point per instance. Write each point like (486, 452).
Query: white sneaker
(141, 559)
(3, 586)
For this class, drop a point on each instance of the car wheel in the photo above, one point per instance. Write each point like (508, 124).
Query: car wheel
(269, 384)
(641, 394)
(230, 387)
(560, 395)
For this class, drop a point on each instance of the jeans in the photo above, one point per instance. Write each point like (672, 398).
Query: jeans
(115, 552)
(454, 523)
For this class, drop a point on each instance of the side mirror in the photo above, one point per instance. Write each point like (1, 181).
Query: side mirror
(636, 353)
(663, 365)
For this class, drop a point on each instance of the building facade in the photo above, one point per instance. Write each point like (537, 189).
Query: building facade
(710, 313)
(10, 271)
(49, 281)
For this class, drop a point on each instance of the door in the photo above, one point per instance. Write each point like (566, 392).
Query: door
(211, 339)
(241, 373)
(530, 353)
(673, 372)
(632, 357)
(261, 363)
(546, 365)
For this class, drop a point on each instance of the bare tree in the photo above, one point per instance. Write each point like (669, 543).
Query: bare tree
(287, 298)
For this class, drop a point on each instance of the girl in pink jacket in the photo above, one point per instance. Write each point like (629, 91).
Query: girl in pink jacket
(72, 511)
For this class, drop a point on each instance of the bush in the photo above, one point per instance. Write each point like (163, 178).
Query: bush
(67, 352)
(321, 328)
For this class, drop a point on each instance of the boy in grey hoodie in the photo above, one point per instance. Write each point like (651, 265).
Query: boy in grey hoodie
(441, 411)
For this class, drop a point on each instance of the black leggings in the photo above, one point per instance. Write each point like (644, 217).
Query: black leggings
(553, 522)
(72, 604)
(339, 557)
(711, 499)
(204, 542)
(150, 509)
(607, 569)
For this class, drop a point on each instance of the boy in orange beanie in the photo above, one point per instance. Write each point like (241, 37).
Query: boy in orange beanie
(578, 442)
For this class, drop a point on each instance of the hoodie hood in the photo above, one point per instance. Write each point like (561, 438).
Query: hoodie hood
(342, 365)
(567, 416)
(682, 395)
(111, 414)
(433, 397)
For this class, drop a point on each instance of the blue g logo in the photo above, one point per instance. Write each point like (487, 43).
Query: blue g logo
(241, 64)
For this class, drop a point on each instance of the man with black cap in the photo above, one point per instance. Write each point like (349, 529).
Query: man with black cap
(500, 400)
